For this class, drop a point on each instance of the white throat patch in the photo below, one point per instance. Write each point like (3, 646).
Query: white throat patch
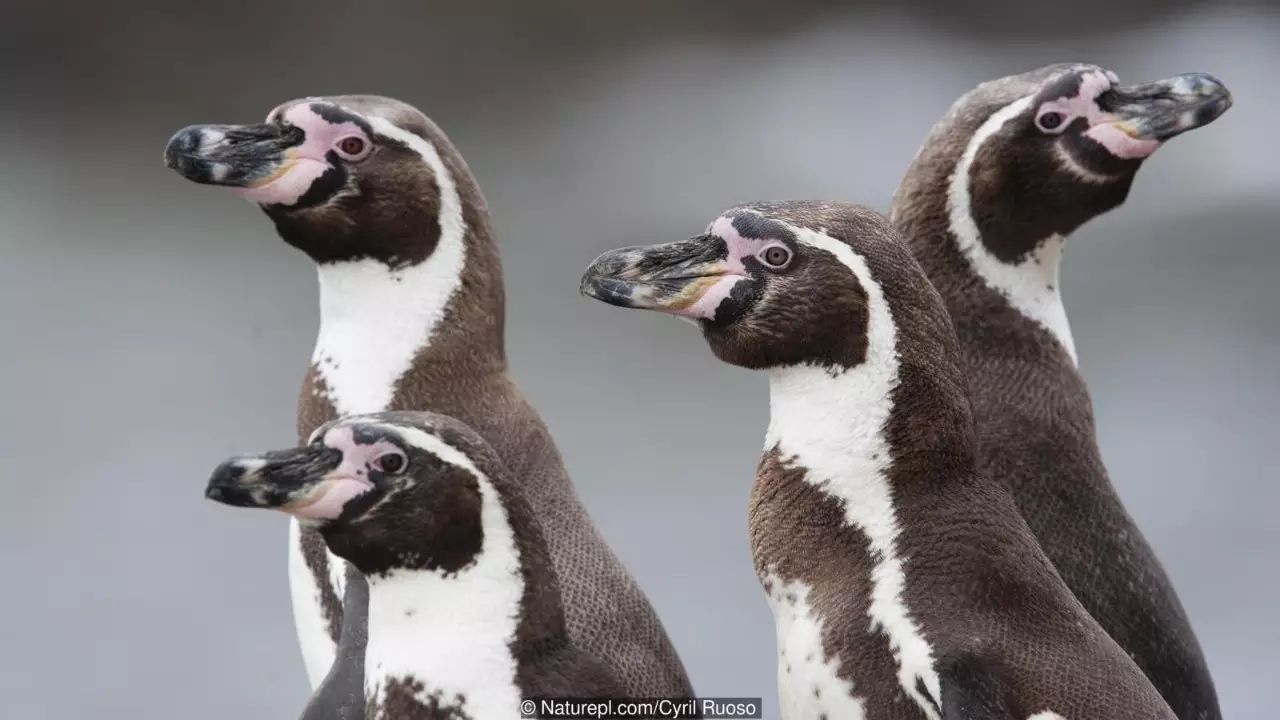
(373, 322)
(1031, 286)
(452, 633)
(834, 427)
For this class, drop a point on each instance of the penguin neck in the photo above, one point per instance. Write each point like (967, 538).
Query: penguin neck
(864, 418)
(380, 326)
(935, 209)
(475, 620)
(865, 433)
(435, 324)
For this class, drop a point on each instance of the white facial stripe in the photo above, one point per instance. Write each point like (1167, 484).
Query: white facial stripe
(375, 320)
(1030, 286)
(467, 620)
(1082, 173)
(417, 438)
(340, 436)
(809, 685)
(835, 428)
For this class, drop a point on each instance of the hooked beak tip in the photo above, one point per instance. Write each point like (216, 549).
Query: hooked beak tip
(1152, 113)
(237, 156)
(607, 289)
(229, 481)
(182, 154)
(602, 280)
(673, 278)
(1211, 98)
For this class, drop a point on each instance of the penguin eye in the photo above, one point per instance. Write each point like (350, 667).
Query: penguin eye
(391, 463)
(352, 147)
(776, 256)
(1051, 121)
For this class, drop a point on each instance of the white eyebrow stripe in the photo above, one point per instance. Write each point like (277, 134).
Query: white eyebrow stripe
(1030, 286)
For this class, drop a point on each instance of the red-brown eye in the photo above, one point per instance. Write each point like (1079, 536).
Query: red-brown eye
(351, 146)
(391, 463)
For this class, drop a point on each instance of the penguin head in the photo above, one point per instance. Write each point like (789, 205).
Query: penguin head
(768, 283)
(342, 177)
(1049, 149)
(390, 490)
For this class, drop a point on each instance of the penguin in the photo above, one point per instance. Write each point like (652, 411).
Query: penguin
(1013, 168)
(902, 580)
(411, 318)
(465, 618)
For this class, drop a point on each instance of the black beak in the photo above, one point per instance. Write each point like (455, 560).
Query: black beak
(275, 480)
(233, 155)
(1165, 108)
(672, 278)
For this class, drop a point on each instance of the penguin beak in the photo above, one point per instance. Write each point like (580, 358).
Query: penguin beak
(245, 156)
(687, 278)
(1163, 109)
(302, 481)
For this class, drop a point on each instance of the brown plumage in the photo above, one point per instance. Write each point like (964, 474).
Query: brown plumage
(1034, 415)
(388, 210)
(1006, 639)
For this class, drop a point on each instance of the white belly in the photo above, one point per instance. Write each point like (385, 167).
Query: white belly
(318, 649)
(808, 686)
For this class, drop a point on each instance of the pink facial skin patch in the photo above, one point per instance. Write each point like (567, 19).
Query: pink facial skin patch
(717, 288)
(303, 164)
(1105, 128)
(739, 247)
(1116, 138)
(349, 480)
(329, 498)
(701, 298)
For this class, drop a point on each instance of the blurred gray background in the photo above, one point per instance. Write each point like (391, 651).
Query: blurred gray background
(152, 327)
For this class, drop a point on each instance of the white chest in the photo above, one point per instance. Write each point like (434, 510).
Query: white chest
(808, 685)
(374, 320)
(452, 633)
(373, 323)
(834, 427)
